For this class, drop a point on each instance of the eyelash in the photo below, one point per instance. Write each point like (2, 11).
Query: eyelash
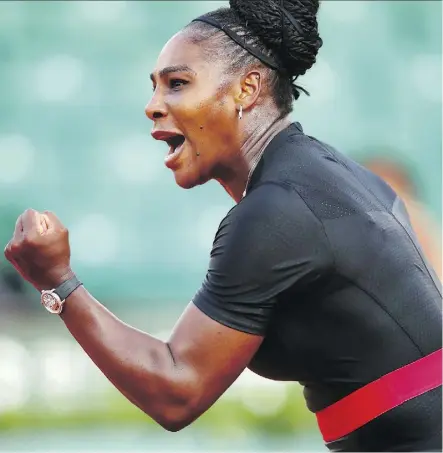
(173, 83)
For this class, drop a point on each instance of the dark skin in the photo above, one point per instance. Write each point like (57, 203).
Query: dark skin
(195, 98)
(174, 382)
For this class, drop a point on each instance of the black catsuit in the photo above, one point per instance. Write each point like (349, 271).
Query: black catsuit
(319, 258)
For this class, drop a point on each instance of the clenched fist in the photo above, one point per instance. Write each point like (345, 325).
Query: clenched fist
(39, 249)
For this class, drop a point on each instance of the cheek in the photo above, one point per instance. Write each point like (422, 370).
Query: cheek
(216, 122)
(188, 113)
(208, 121)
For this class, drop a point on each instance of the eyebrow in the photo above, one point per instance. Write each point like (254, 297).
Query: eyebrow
(169, 69)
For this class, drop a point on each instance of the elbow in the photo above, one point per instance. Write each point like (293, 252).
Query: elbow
(175, 419)
(177, 411)
(174, 427)
(177, 400)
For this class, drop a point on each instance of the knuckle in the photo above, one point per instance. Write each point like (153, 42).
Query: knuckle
(14, 247)
(7, 252)
(30, 211)
(11, 249)
(30, 239)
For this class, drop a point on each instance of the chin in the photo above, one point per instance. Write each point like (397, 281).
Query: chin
(188, 180)
(185, 181)
(185, 184)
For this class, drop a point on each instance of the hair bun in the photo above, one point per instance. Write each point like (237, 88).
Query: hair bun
(298, 52)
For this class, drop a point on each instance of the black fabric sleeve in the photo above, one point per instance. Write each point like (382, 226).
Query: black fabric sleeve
(266, 244)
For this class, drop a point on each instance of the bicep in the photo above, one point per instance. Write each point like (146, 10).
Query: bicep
(208, 356)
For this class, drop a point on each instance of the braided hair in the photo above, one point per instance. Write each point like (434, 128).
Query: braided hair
(286, 31)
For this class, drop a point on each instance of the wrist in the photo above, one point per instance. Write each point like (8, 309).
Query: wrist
(57, 277)
(54, 299)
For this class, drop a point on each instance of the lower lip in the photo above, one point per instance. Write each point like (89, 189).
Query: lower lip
(172, 158)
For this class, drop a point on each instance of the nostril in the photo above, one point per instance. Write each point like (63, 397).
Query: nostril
(157, 115)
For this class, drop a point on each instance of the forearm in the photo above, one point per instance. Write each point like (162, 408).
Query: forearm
(142, 367)
(172, 382)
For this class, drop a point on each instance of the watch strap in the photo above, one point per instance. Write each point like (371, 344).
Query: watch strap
(67, 287)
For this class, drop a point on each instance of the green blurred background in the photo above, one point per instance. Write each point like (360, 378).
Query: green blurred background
(74, 80)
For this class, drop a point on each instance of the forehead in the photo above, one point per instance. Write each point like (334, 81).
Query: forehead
(179, 51)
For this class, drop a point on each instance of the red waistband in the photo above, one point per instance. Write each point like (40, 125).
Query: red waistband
(380, 396)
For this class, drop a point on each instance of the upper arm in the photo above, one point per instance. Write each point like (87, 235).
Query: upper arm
(208, 358)
(267, 244)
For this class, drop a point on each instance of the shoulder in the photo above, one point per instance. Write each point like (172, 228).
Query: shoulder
(268, 243)
(329, 182)
(272, 219)
(275, 203)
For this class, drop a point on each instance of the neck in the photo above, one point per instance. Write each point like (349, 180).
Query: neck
(236, 179)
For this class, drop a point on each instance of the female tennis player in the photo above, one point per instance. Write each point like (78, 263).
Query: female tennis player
(315, 275)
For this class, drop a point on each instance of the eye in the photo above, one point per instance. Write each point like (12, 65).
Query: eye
(176, 84)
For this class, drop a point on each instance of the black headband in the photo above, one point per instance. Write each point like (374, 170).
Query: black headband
(268, 61)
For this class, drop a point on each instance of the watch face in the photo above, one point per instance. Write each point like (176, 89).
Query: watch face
(51, 302)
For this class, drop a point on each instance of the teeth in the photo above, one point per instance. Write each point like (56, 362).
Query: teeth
(173, 149)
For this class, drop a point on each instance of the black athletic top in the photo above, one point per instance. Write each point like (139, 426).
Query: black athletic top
(319, 257)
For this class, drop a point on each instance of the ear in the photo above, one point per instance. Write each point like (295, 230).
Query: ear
(250, 87)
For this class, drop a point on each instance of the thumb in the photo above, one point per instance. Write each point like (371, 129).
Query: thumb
(43, 223)
(51, 221)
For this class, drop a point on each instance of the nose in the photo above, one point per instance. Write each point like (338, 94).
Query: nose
(155, 108)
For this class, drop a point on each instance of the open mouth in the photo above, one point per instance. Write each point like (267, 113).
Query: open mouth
(175, 143)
